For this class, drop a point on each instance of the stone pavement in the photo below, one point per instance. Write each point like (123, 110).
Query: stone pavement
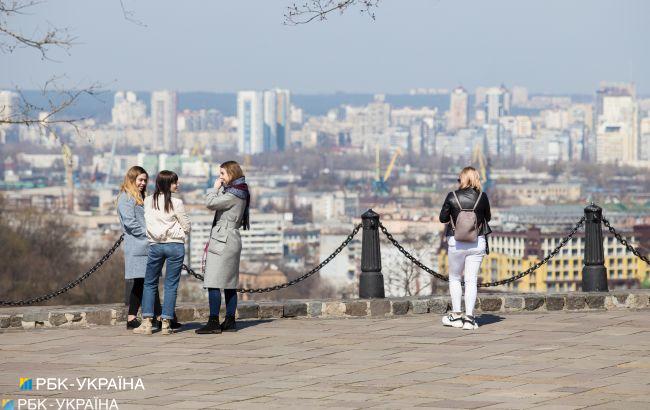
(550, 360)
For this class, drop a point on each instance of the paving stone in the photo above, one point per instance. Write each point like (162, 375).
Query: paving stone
(99, 317)
(514, 302)
(315, 308)
(458, 404)
(438, 305)
(555, 302)
(248, 310)
(379, 307)
(595, 301)
(533, 302)
(269, 310)
(294, 309)
(575, 302)
(356, 307)
(419, 306)
(490, 304)
(57, 319)
(400, 307)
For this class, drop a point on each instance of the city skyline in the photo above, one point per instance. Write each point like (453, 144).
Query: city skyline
(441, 44)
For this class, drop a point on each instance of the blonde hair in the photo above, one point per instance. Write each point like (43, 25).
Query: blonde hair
(129, 187)
(233, 170)
(469, 178)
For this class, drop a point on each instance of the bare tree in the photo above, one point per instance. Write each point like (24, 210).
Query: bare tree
(404, 278)
(319, 10)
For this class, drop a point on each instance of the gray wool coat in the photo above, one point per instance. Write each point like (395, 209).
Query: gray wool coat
(136, 245)
(224, 248)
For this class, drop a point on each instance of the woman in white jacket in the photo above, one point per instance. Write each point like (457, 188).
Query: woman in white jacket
(167, 227)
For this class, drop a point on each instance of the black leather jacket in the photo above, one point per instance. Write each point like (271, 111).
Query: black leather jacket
(467, 198)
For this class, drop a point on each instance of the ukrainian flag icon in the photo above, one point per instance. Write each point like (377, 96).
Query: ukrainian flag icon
(25, 383)
(7, 404)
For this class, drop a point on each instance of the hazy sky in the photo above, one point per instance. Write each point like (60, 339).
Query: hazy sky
(557, 46)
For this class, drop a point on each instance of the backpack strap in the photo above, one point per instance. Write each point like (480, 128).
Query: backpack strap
(480, 194)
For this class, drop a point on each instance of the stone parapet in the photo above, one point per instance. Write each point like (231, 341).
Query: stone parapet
(30, 317)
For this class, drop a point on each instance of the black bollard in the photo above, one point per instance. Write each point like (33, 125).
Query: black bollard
(594, 272)
(371, 281)
(128, 285)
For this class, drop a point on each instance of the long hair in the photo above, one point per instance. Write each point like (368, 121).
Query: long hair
(164, 182)
(129, 187)
(469, 178)
(233, 170)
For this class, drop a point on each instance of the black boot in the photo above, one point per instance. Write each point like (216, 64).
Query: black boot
(229, 324)
(212, 327)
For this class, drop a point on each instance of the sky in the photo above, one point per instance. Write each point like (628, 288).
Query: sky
(549, 46)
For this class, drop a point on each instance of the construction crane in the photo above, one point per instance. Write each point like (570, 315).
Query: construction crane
(379, 184)
(483, 165)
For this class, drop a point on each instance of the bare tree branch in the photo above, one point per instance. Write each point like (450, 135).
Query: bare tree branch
(51, 114)
(129, 15)
(42, 41)
(319, 10)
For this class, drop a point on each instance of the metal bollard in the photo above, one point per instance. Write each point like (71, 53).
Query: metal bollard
(594, 272)
(371, 281)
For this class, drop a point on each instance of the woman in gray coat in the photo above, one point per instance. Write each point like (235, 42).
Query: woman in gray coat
(130, 210)
(230, 199)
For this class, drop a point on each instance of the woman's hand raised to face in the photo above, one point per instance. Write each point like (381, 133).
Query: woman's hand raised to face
(218, 183)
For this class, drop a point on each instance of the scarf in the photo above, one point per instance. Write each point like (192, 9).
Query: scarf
(239, 188)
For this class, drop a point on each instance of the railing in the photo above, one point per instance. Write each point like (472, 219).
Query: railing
(371, 280)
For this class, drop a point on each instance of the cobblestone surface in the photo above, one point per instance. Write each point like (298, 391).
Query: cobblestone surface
(549, 360)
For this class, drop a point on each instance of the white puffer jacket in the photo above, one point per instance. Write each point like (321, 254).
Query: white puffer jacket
(166, 227)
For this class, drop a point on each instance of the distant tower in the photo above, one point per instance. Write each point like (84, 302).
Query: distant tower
(458, 109)
(250, 118)
(163, 121)
(497, 103)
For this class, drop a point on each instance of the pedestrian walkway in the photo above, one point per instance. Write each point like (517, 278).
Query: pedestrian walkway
(562, 360)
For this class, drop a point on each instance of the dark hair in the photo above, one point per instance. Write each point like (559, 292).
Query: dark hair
(164, 182)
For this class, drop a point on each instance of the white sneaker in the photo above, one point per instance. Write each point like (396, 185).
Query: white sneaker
(453, 319)
(469, 323)
(145, 327)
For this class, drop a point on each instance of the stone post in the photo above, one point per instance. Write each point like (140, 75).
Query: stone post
(594, 272)
(371, 281)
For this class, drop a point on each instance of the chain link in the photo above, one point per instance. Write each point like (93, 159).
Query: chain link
(518, 276)
(624, 242)
(70, 285)
(298, 279)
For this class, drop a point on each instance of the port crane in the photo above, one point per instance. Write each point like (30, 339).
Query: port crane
(379, 184)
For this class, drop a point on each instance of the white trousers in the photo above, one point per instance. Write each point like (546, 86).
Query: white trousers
(464, 260)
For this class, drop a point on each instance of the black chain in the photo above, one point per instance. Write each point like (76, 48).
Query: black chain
(518, 276)
(70, 285)
(625, 243)
(298, 279)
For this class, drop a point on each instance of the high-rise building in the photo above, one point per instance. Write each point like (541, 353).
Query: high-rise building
(264, 119)
(163, 121)
(617, 124)
(127, 110)
(9, 110)
(458, 109)
(250, 119)
(283, 118)
(497, 103)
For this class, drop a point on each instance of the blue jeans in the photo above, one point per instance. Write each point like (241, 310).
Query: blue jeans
(214, 298)
(173, 253)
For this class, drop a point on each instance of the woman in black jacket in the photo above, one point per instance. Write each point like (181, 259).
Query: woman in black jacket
(465, 257)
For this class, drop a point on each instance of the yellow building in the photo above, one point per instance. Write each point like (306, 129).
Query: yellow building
(514, 252)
